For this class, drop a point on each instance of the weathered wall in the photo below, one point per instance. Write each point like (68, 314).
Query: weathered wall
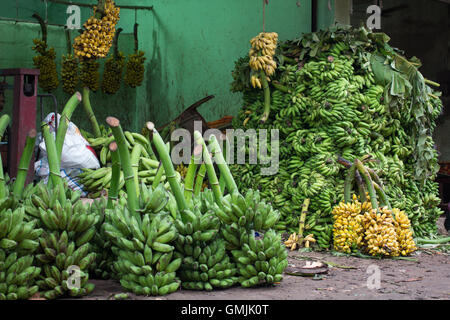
(190, 47)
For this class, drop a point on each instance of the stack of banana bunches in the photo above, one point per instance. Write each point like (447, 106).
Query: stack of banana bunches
(144, 162)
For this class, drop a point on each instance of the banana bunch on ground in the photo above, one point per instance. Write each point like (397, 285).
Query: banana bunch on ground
(261, 57)
(19, 241)
(98, 34)
(205, 263)
(89, 74)
(69, 73)
(143, 244)
(329, 101)
(113, 73)
(257, 260)
(45, 62)
(64, 252)
(101, 268)
(134, 73)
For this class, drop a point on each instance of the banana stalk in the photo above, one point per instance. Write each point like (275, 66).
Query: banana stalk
(115, 175)
(168, 166)
(368, 181)
(125, 162)
(383, 197)
(349, 184)
(4, 122)
(199, 180)
(64, 122)
(24, 164)
(361, 187)
(265, 85)
(189, 179)
(301, 226)
(222, 165)
(209, 168)
(53, 163)
(134, 158)
(88, 109)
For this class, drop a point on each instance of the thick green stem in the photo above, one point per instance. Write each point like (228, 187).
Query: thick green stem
(209, 168)
(125, 162)
(301, 226)
(348, 184)
(189, 179)
(222, 184)
(222, 165)
(265, 86)
(24, 164)
(115, 175)
(88, 109)
(4, 122)
(280, 87)
(168, 167)
(64, 121)
(53, 163)
(432, 241)
(199, 179)
(384, 201)
(134, 159)
(361, 187)
(368, 181)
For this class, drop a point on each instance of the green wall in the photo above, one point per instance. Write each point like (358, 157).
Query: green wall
(190, 47)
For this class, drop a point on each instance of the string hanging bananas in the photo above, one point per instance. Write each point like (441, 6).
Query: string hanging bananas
(261, 57)
(98, 34)
(134, 73)
(69, 73)
(45, 62)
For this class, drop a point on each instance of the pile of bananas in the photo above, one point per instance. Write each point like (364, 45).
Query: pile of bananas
(96, 180)
(145, 261)
(90, 75)
(205, 263)
(404, 233)
(134, 73)
(348, 231)
(64, 243)
(113, 73)
(261, 57)
(327, 100)
(257, 260)
(19, 241)
(98, 34)
(45, 62)
(69, 73)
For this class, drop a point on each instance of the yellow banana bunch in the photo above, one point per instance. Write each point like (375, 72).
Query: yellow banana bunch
(98, 35)
(134, 73)
(380, 233)
(69, 73)
(404, 233)
(45, 62)
(261, 56)
(295, 241)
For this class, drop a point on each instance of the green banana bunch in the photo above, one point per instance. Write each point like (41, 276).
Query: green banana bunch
(65, 242)
(45, 62)
(89, 74)
(69, 73)
(142, 244)
(205, 263)
(134, 73)
(19, 240)
(113, 73)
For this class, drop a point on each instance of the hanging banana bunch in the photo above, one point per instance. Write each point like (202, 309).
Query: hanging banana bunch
(69, 70)
(262, 65)
(95, 41)
(134, 74)
(113, 68)
(45, 60)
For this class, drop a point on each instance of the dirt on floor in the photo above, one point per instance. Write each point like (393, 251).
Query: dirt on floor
(425, 276)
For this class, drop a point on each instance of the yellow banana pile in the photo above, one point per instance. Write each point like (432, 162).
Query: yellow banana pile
(404, 234)
(261, 56)
(45, 62)
(69, 73)
(134, 74)
(98, 35)
(347, 228)
(380, 235)
(295, 241)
